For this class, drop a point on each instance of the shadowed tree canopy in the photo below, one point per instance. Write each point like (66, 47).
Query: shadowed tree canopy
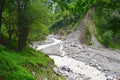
(24, 17)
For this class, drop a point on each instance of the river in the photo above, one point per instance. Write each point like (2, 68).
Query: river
(81, 62)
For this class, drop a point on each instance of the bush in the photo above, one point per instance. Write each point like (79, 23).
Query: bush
(107, 37)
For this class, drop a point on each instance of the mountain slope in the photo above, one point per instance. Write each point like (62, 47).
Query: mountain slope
(86, 25)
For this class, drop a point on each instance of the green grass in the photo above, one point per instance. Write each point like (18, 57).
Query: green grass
(114, 46)
(25, 65)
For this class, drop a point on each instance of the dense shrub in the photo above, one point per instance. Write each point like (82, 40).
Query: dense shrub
(106, 19)
(107, 37)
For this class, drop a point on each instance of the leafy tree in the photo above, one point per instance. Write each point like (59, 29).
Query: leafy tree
(39, 27)
(25, 17)
(10, 17)
(108, 18)
(23, 24)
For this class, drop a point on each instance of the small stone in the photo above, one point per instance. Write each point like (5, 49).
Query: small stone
(92, 64)
(89, 78)
(99, 68)
(33, 73)
(109, 78)
(105, 70)
(56, 70)
(65, 68)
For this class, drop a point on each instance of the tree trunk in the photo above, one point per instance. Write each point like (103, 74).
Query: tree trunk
(23, 38)
(23, 28)
(1, 10)
(10, 35)
(19, 42)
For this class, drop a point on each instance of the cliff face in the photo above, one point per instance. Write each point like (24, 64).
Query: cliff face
(79, 34)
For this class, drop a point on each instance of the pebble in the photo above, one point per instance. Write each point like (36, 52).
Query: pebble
(113, 77)
(65, 68)
(56, 70)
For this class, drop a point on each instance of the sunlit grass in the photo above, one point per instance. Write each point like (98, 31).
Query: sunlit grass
(21, 65)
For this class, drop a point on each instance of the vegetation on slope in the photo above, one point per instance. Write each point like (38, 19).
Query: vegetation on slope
(107, 20)
(22, 22)
(26, 65)
(68, 15)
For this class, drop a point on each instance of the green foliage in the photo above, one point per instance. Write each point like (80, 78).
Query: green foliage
(70, 14)
(38, 33)
(10, 20)
(107, 37)
(39, 27)
(107, 18)
(25, 20)
(88, 31)
(21, 65)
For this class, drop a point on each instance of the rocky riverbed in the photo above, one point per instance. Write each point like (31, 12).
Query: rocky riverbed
(81, 62)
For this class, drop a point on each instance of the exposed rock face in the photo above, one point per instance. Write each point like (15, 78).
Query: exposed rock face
(79, 34)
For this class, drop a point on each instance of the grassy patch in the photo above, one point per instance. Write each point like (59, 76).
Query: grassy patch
(26, 65)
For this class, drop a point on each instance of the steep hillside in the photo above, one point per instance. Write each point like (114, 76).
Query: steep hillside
(97, 31)
(96, 19)
(26, 65)
(107, 21)
(85, 32)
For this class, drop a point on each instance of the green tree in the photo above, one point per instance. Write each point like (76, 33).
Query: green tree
(10, 17)
(40, 19)
(29, 14)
